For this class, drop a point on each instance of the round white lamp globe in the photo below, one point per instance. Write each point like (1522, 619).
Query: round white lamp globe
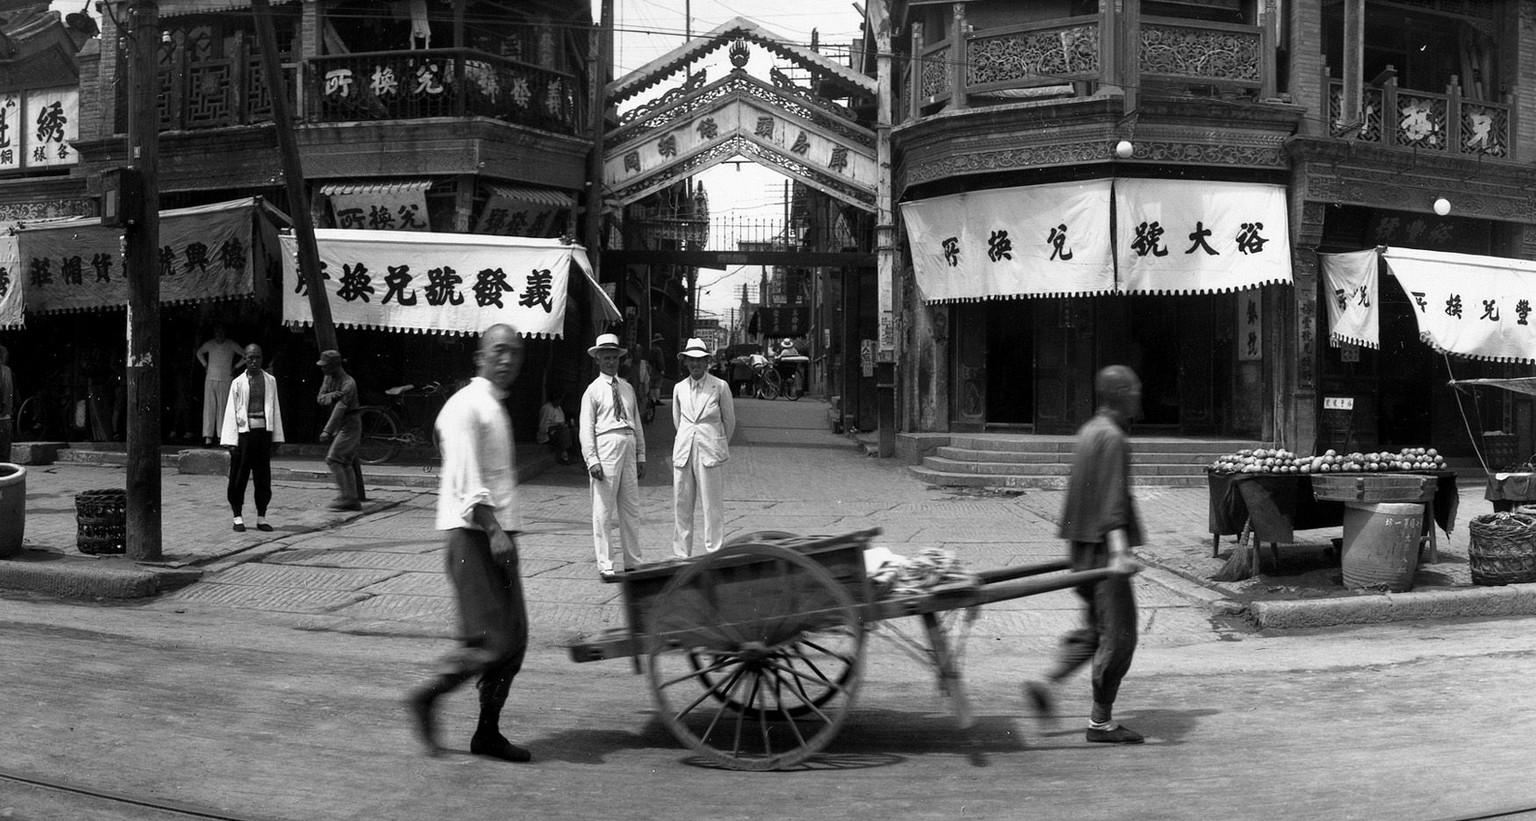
(1442, 206)
(1124, 149)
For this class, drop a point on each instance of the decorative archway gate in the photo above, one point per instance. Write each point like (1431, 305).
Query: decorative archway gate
(799, 131)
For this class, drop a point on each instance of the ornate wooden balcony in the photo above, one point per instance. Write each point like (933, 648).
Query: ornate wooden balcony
(442, 83)
(216, 92)
(1446, 123)
(1072, 56)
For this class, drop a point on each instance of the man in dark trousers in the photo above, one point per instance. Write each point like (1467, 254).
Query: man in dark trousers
(344, 429)
(477, 513)
(1100, 523)
(253, 427)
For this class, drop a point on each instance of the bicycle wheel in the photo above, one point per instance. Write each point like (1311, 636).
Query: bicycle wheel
(30, 424)
(770, 384)
(792, 388)
(381, 436)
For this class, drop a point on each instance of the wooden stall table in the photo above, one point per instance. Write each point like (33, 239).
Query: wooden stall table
(1509, 490)
(1273, 506)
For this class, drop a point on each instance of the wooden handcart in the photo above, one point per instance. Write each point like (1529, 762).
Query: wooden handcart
(753, 653)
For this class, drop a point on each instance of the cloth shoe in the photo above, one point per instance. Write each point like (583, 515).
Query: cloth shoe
(1116, 734)
(492, 744)
(264, 527)
(239, 527)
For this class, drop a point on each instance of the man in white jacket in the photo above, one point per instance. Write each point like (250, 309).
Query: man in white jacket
(705, 417)
(253, 424)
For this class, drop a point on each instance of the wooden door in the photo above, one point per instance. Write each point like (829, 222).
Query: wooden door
(1063, 364)
(969, 391)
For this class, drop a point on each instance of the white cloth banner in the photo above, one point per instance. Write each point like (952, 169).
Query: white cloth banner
(13, 297)
(1475, 306)
(1200, 237)
(437, 283)
(1354, 313)
(1041, 240)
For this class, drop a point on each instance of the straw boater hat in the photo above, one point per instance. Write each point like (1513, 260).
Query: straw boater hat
(786, 342)
(607, 342)
(694, 349)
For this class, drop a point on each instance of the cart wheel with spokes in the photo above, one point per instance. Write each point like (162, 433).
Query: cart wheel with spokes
(380, 436)
(754, 655)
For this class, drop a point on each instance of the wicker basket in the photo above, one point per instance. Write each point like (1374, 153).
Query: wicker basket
(1503, 548)
(101, 521)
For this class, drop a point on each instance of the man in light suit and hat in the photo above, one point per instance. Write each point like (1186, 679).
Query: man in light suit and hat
(705, 417)
(613, 445)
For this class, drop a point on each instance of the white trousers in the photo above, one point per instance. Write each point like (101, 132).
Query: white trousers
(695, 484)
(618, 494)
(215, 397)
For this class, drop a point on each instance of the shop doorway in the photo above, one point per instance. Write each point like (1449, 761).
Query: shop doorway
(1169, 342)
(1010, 363)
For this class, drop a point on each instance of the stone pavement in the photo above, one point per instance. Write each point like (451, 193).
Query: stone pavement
(380, 571)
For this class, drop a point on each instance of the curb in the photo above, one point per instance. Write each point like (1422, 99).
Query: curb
(1366, 608)
(104, 578)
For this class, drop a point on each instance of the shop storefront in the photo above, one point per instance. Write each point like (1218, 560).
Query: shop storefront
(1044, 285)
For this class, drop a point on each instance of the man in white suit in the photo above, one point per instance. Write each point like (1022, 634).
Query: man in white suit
(705, 417)
(613, 446)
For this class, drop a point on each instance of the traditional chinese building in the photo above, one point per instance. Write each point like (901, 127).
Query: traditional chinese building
(450, 116)
(1150, 183)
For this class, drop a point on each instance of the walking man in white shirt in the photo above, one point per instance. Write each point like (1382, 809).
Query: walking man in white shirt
(705, 417)
(477, 513)
(613, 445)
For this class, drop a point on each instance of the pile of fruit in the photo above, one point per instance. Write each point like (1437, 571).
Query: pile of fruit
(1279, 460)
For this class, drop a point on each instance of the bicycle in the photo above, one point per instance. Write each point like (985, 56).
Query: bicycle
(385, 429)
(767, 384)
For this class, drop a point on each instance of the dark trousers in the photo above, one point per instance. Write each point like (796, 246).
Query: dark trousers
(493, 619)
(1108, 634)
(251, 458)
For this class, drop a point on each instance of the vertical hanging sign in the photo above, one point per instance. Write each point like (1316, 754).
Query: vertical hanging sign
(1250, 325)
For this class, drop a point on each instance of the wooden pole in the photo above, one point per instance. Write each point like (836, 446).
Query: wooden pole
(141, 240)
(602, 51)
(885, 232)
(293, 178)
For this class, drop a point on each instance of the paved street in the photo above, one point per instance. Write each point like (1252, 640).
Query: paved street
(271, 688)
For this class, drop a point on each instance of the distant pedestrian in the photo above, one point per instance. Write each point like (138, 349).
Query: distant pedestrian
(704, 416)
(221, 357)
(1100, 523)
(613, 445)
(7, 404)
(338, 391)
(477, 513)
(555, 429)
(253, 426)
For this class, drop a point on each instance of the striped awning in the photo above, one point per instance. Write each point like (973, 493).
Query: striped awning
(374, 187)
(535, 196)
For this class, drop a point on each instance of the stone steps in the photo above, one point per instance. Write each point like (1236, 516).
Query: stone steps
(1045, 462)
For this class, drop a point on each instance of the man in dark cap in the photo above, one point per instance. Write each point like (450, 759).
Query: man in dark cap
(344, 429)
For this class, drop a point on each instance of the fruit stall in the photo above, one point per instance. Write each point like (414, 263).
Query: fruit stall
(1266, 495)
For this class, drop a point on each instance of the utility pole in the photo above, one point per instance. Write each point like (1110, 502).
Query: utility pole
(293, 178)
(141, 240)
(885, 235)
(601, 47)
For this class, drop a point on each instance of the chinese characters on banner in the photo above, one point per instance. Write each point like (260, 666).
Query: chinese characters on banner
(1476, 306)
(12, 292)
(506, 215)
(436, 283)
(38, 127)
(1177, 237)
(1054, 240)
(1250, 326)
(1349, 285)
(1043, 240)
(205, 253)
(381, 208)
(787, 320)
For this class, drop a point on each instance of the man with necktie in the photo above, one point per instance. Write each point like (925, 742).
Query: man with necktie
(705, 418)
(613, 445)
